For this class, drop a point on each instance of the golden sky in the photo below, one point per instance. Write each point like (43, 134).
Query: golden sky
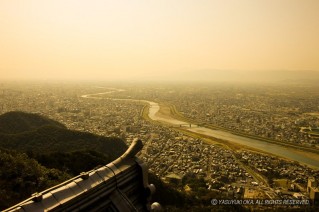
(127, 39)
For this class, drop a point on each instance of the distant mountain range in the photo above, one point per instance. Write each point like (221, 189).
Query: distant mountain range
(279, 76)
(259, 76)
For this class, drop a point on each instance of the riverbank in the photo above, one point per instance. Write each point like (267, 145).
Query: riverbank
(171, 109)
(167, 110)
(164, 113)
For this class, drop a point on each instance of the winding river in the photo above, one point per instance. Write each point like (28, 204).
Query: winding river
(272, 148)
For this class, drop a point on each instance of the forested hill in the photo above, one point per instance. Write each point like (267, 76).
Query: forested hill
(33, 133)
(21, 176)
(18, 122)
(37, 152)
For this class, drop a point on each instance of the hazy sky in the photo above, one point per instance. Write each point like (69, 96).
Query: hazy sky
(100, 39)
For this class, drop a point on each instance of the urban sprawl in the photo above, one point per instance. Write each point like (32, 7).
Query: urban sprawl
(283, 114)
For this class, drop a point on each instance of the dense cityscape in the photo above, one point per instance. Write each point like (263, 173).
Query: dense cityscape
(159, 105)
(275, 113)
(278, 113)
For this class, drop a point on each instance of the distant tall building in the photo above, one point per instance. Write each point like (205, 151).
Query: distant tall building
(313, 190)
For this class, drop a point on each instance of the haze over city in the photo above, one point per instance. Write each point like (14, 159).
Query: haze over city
(162, 40)
(214, 103)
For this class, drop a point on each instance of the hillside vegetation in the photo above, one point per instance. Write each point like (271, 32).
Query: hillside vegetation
(18, 122)
(21, 176)
(33, 133)
(37, 153)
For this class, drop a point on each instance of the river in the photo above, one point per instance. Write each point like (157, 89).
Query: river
(272, 148)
